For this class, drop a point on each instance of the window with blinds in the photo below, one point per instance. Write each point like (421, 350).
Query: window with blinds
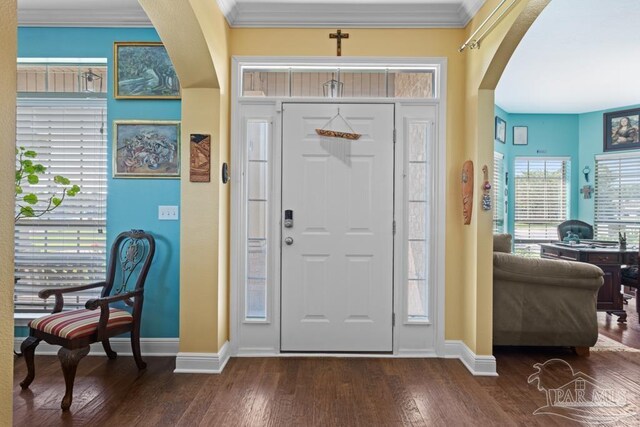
(498, 193)
(541, 201)
(67, 246)
(617, 197)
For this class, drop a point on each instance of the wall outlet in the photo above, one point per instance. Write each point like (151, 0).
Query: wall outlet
(168, 213)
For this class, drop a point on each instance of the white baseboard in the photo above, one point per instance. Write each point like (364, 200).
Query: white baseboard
(477, 365)
(122, 346)
(202, 363)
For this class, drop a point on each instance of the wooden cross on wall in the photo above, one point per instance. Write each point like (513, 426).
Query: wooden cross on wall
(339, 36)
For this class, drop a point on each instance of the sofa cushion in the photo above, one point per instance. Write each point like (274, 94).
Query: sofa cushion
(78, 323)
(502, 243)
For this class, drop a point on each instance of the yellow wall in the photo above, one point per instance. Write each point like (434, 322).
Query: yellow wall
(400, 43)
(483, 70)
(205, 222)
(195, 34)
(7, 164)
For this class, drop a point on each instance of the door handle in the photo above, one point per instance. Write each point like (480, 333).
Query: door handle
(289, 241)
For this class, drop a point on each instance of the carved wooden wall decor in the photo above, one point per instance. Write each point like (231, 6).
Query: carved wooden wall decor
(467, 191)
(200, 158)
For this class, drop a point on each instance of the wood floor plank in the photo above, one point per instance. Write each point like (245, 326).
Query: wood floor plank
(301, 391)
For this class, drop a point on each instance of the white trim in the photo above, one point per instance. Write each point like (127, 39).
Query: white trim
(122, 346)
(477, 365)
(299, 14)
(202, 363)
(617, 155)
(262, 339)
(85, 13)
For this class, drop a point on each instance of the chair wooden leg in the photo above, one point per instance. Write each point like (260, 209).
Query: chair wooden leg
(135, 348)
(582, 351)
(69, 360)
(28, 349)
(107, 349)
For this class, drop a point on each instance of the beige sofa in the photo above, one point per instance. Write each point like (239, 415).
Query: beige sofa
(541, 302)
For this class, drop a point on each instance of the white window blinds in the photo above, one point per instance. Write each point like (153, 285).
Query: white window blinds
(67, 246)
(498, 192)
(617, 197)
(541, 201)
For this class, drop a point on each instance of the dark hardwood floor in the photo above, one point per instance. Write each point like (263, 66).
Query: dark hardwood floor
(317, 391)
(627, 333)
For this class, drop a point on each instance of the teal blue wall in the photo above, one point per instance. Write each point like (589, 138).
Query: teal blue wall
(131, 203)
(549, 135)
(591, 143)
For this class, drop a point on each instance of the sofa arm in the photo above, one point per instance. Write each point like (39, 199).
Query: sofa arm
(514, 268)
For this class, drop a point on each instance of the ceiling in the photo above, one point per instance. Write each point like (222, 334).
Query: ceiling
(578, 56)
(262, 13)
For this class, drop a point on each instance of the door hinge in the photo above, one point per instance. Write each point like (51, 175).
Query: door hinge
(393, 319)
(394, 227)
(394, 136)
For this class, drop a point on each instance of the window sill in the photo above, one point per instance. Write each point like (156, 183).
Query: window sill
(23, 319)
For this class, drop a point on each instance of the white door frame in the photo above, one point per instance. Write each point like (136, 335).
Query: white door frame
(407, 335)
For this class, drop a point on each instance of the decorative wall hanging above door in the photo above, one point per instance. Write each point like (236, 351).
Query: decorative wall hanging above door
(338, 134)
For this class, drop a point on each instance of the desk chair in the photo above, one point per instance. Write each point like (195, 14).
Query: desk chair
(575, 226)
(629, 277)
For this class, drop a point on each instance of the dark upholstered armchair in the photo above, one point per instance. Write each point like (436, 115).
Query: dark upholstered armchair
(575, 226)
(104, 317)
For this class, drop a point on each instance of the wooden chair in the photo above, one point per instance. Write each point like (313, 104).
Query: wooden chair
(74, 330)
(629, 277)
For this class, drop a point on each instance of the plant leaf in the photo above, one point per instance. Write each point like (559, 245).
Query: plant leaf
(18, 189)
(30, 198)
(30, 154)
(56, 201)
(27, 211)
(38, 168)
(33, 179)
(58, 179)
(28, 169)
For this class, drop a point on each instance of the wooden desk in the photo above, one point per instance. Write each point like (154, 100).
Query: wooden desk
(609, 259)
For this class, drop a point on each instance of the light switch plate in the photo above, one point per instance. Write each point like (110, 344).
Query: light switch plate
(168, 213)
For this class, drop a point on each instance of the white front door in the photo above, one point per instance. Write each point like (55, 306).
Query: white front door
(337, 270)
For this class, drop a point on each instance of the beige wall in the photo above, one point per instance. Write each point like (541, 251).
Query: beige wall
(7, 167)
(483, 70)
(205, 217)
(398, 43)
(195, 35)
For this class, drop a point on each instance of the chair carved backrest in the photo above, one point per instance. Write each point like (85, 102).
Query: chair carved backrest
(574, 226)
(131, 256)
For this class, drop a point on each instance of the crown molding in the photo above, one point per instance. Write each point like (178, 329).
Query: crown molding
(318, 14)
(85, 13)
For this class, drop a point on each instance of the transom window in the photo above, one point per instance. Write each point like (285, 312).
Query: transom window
(337, 82)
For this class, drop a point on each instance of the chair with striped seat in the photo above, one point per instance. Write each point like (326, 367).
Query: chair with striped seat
(104, 317)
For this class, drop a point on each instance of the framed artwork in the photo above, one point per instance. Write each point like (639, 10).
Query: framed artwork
(621, 130)
(144, 71)
(501, 130)
(146, 149)
(520, 135)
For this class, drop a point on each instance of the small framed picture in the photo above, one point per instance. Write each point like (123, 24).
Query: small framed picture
(144, 71)
(520, 135)
(621, 130)
(501, 130)
(146, 149)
